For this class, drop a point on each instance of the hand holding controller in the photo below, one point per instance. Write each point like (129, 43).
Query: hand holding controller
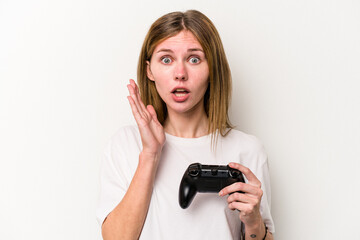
(206, 178)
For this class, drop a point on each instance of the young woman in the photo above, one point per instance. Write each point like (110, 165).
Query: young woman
(181, 111)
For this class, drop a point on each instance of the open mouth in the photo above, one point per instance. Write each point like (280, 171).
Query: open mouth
(179, 92)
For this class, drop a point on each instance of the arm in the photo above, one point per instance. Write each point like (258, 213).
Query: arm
(127, 219)
(247, 203)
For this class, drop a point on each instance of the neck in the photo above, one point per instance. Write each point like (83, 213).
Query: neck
(187, 125)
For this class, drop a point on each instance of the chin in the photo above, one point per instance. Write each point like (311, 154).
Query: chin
(185, 108)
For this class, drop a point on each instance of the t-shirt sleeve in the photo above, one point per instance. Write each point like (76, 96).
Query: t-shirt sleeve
(112, 183)
(264, 177)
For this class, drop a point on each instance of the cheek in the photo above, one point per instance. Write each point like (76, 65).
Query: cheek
(203, 78)
(205, 82)
(161, 88)
(160, 72)
(203, 74)
(161, 77)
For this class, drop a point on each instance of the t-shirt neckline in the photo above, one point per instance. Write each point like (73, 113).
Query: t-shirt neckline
(187, 141)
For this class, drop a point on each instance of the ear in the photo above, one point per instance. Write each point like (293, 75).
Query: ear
(148, 71)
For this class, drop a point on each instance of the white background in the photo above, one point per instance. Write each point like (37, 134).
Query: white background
(64, 66)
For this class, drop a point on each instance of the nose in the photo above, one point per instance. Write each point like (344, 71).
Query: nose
(180, 72)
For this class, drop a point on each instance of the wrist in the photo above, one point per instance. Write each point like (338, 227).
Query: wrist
(149, 160)
(149, 156)
(255, 224)
(254, 228)
(147, 166)
(255, 231)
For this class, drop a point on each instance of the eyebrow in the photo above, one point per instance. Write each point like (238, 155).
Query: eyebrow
(189, 50)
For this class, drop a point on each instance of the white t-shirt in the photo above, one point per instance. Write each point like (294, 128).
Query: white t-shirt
(208, 216)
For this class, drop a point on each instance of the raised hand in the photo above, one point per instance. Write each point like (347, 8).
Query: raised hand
(151, 131)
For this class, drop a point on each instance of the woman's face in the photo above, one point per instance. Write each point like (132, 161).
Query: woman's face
(181, 73)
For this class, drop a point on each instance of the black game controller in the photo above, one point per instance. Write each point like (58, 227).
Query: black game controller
(206, 178)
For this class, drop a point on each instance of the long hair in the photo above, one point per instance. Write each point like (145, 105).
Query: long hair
(218, 94)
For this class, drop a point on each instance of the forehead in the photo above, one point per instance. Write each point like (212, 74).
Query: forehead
(182, 41)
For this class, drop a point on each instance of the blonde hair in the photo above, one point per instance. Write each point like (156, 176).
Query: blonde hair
(218, 95)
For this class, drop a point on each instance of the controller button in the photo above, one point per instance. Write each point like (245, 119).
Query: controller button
(214, 171)
(194, 165)
(234, 174)
(193, 172)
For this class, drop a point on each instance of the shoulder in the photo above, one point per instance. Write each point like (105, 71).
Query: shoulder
(246, 145)
(125, 137)
(126, 132)
(243, 139)
(123, 149)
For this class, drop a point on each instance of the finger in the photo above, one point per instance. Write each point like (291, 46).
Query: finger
(250, 176)
(244, 198)
(138, 98)
(135, 86)
(144, 109)
(132, 82)
(135, 99)
(153, 114)
(134, 110)
(131, 89)
(241, 187)
(242, 207)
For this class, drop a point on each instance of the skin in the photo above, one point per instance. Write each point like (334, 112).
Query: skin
(128, 217)
(247, 203)
(178, 61)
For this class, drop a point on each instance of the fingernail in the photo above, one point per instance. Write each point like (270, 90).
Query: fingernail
(220, 193)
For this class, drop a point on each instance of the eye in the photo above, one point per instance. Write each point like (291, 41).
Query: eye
(166, 60)
(194, 60)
